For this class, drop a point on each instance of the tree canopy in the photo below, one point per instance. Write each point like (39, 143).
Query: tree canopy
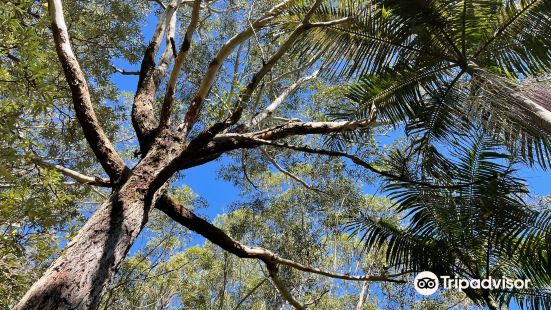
(293, 102)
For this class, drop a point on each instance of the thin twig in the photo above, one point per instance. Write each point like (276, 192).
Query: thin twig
(289, 174)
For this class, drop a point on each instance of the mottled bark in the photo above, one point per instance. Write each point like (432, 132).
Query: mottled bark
(78, 277)
(143, 117)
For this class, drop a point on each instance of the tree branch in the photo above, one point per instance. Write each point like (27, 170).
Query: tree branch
(186, 44)
(333, 22)
(247, 93)
(249, 294)
(289, 174)
(108, 157)
(208, 79)
(310, 62)
(280, 286)
(124, 72)
(185, 217)
(358, 161)
(244, 168)
(294, 128)
(160, 3)
(143, 118)
(77, 176)
(197, 149)
(279, 100)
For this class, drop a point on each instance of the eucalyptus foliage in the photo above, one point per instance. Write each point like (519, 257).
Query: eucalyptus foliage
(459, 78)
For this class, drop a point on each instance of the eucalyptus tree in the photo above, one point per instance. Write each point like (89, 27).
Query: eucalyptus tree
(283, 215)
(170, 142)
(38, 206)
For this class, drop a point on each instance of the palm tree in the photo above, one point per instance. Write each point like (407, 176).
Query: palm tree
(470, 75)
(479, 229)
(432, 64)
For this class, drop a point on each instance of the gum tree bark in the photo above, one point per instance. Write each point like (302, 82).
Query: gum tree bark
(77, 278)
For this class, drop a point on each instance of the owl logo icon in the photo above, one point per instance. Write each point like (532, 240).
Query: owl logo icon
(426, 283)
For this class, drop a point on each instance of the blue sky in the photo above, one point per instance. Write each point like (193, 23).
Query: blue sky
(219, 194)
(204, 181)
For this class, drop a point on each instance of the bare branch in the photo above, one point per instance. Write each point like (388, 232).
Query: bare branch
(294, 128)
(231, 141)
(124, 72)
(289, 174)
(280, 286)
(168, 53)
(186, 44)
(208, 79)
(182, 215)
(245, 95)
(316, 300)
(77, 176)
(267, 67)
(333, 22)
(98, 141)
(255, 35)
(279, 100)
(235, 76)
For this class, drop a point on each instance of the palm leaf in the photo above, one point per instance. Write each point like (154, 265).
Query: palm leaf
(483, 227)
(520, 41)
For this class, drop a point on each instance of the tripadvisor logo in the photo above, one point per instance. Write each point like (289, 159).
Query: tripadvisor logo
(426, 283)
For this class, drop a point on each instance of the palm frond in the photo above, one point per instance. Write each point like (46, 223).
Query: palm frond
(395, 94)
(432, 21)
(504, 108)
(442, 110)
(530, 299)
(520, 40)
(463, 220)
(404, 251)
(369, 43)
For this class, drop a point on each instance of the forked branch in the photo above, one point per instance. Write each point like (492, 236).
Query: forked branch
(186, 44)
(194, 109)
(247, 93)
(143, 118)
